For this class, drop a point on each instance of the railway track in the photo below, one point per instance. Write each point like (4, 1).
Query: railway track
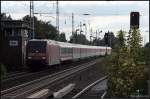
(13, 74)
(26, 89)
(18, 78)
(86, 93)
(23, 77)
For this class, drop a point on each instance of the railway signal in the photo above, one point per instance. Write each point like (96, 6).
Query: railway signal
(106, 38)
(134, 20)
(106, 41)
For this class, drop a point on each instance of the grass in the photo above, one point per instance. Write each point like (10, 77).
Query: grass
(103, 65)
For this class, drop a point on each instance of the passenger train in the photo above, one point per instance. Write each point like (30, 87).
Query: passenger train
(50, 52)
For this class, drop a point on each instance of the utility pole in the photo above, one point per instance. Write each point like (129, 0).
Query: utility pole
(72, 23)
(80, 27)
(91, 36)
(110, 38)
(80, 30)
(73, 26)
(99, 32)
(32, 18)
(85, 28)
(57, 16)
(96, 35)
(106, 40)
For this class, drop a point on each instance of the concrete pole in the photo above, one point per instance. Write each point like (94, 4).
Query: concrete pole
(57, 16)
(110, 38)
(80, 31)
(96, 34)
(32, 18)
(72, 23)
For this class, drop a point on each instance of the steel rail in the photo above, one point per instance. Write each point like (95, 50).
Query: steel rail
(17, 75)
(9, 75)
(14, 76)
(34, 85)
(29, 74)
(13, 72)
(103, 95)
(25, 74)
(89, 86)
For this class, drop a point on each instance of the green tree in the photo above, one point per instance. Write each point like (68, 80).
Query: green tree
(43, 29)
(137, 53)
(62, 37)
(4, 17)
(146, 52)
(74, 38)
(112, 40)
(134, 43)
(3, 71)
(79, 39)
(127, 75)
(121, 38)
(27, 18)
(120, 72)
(147, 45)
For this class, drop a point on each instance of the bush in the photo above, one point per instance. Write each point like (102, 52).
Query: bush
(2, 70)
(129, 72)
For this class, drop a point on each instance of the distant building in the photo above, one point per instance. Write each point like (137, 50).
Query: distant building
(14, 36)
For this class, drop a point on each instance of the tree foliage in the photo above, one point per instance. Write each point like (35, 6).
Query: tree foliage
(3, 71)
(112, 40)
(121, 38)
(79, 39)
(147, 45)
(134, 44)
(146, 53)
(62, 37)
(127, 73)
(43, 29)
(4, 17)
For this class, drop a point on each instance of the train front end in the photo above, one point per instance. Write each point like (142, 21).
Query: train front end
(36, 54)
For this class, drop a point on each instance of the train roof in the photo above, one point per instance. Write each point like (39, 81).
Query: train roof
(66, 44)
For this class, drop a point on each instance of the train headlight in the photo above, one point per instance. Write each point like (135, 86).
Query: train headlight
(29, 57)
(43, 57)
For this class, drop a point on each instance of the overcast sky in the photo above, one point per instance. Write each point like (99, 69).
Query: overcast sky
(104, 15)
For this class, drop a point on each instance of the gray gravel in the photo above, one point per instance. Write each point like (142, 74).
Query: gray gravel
(82, 80)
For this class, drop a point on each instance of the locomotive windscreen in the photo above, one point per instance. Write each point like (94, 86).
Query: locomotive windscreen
(36, 46)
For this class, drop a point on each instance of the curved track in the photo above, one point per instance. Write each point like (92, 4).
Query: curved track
(81, 94)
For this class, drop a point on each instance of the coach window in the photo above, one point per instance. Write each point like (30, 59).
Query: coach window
(62, 50)
(68, 50)
(65, 50)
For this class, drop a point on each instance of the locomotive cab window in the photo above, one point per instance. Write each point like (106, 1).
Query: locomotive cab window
(37, 46)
